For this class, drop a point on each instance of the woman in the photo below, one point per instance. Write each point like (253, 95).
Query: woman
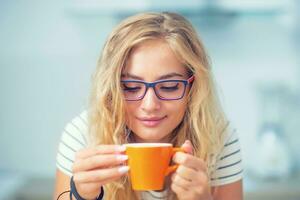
(153, 83)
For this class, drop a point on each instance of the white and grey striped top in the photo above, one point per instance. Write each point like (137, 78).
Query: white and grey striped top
(74, 137)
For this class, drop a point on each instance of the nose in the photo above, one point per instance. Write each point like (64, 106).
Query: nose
(150, 102)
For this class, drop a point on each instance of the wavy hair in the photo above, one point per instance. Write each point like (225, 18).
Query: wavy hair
(203, 122)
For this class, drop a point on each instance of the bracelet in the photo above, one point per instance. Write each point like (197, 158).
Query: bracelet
(77, 196)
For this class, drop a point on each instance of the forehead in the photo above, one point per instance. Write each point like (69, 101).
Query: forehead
(153, 59)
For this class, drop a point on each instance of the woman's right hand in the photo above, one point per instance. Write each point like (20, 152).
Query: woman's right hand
(93, 167)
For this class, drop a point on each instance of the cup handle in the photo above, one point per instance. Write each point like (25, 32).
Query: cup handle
(172, 168)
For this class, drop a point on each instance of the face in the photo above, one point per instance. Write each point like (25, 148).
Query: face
(152, 119)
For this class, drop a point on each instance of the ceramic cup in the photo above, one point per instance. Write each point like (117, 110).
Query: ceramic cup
(149, 164)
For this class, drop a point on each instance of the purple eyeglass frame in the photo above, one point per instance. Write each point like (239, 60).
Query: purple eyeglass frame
(153, 84)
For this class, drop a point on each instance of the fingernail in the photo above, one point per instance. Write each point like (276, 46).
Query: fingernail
(123, 169)
(121, 148)
(122, 157)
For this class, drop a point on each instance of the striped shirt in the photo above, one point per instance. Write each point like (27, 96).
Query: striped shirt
(228, 168)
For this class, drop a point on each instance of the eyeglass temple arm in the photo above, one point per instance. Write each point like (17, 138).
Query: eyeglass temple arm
(191, 79)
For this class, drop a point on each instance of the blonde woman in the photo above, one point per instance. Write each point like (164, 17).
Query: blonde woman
(153, 83)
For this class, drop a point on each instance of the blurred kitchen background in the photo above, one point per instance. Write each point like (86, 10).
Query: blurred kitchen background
(49, 50)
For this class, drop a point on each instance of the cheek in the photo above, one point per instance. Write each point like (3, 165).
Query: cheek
(178, 111)
(129, 111)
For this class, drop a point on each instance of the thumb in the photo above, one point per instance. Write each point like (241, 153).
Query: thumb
(187, 147)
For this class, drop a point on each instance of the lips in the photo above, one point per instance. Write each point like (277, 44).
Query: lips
(151, 121)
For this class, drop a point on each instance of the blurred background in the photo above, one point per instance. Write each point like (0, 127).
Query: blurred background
(49, 50)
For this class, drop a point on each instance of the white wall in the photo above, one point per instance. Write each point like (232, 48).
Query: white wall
(246, 52)
(47, 57)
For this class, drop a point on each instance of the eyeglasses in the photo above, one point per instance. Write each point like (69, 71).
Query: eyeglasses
(135, 90)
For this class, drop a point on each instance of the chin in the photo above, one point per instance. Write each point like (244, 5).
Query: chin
(151, 138)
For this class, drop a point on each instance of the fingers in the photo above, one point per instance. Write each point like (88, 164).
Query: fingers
(94, 187)
(189, 176)
(99, 157)
(186, 173)
(189, 184)
(102, 149)
(180, 182)
(102, 175)
(187, 147)
(96, 166)
(91, 190)
(99, 161)
(189, 161)
(178, 189)
(190, 180)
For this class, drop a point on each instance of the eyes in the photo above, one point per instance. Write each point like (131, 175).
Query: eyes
(166, 86)
(131, 89)
(169, 87)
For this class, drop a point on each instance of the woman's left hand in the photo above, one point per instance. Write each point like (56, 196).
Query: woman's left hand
(190, 180)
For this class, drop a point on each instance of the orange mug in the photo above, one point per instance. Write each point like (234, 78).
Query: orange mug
(149, 164)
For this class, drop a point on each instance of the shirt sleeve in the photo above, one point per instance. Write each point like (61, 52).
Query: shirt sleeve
(228, 167)
(73, 138)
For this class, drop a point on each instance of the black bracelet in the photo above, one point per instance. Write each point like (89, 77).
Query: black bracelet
(77, 196)
(63, 193)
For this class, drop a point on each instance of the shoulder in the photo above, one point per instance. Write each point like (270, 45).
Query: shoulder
(73, 138)
(228, 167)
(231, 138)
(77, 128)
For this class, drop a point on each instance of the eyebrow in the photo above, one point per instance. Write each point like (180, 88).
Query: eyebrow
(166, 76)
